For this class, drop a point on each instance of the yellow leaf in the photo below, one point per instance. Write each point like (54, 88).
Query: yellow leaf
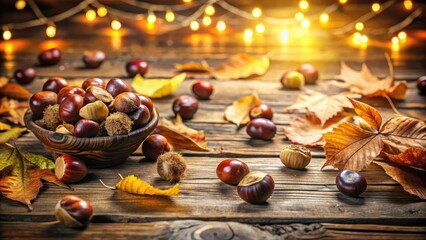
(132, 184)
(241, 66)
(238, 112)
(4, 126)
(193, 67)
(157, 88)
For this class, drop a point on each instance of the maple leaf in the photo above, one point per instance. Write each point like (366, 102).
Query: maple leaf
(181, 136)
(241, 66)
(238, 112)
(21, 173)
(14, 90)
(412, 157)
(157, 88)
(193, 67)
(324, 107)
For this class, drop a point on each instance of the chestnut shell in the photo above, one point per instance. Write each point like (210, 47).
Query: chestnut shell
(351, 183)
(256, 187)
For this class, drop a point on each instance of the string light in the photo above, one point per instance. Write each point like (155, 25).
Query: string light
(209, 10)
(284, 36)
(221, 26)
(260, 28)
(304, 5)
(187, 1)
(115, 25)
(395, 40)
(299, 16)
(7, 35)
(194, 25)
(402, 36)
(151, 18)
(363, 39)
(357, 37)
(305, 23)
(51, 31)
(408, 4)
(90, 15)
(359, 26)
(324, 18)
(256, 12)
(207, 21)
(375, 7)
(343, 1)
(170, 16)
(102, 12)
(248, 34)
(20, 4)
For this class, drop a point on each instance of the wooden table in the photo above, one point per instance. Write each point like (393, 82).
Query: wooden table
(305, 204)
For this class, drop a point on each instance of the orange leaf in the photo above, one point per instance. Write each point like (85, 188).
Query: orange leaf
(413, 181)
(238, 112)
(132, 184)
(193, 67)
(412, 157)
(368, 113)
(14, 90)
(241, 66)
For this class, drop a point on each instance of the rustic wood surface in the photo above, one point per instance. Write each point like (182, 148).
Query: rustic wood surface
(305, 204)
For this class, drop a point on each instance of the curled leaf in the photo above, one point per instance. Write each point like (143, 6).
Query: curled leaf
(241, 66)
(193, 67)
(412, 157)
(238, 112)
(132, 184)
(157, 88)
(14, 90)
(181, 136)
(11, 134)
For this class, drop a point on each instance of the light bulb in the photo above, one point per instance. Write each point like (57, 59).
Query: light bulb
(187, 1)
(402, 35)
(256, 12)
(248, 34)
(343, 1)
(151, 18)
(194, 25)
(102, 12)
(299, 16)
(7, 35)
(324, 18)
(20, 4)
(395, 40)
(363, 39)
(115, 25)
(209, 10)
(260, 28)
(170, 16)
(359, 26)
(284, 36)
(51, 31)
(375, 7)
(305, 23)
(90, 15)
(408, 4)
(221, 26)
(207, 21)
(304, 5)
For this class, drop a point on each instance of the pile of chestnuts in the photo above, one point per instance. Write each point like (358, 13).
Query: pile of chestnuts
(97, 108)
(261, 125)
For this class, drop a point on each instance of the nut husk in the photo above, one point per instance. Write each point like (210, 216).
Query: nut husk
(171, 166)
(51, 117)
(295, 156)
(118, 123)
(66, 129)
(96, 111)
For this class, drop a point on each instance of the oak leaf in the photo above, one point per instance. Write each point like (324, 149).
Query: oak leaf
(238, 112)
(11, 134)
(412, 157)
(14, 90)
(241, 66)
(132, 184)
(193, 67)
(324, 107)
(157, 88)
(181, 136)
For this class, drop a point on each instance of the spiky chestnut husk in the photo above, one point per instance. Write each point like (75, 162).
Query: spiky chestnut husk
(51, 117)
(118, 123)
(171, 166)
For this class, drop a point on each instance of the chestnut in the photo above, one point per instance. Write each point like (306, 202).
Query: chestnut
(186, 106)
(126, 102)
(55, 84)
(70, 169)
(73, 211)
(39, 101)
(231, 171)
(92, 82)
(421, 85)
(86, 128)
(261, 111)
(202, 89)
(309, 72)
(147, 102)
(136, 66)
(69, 90)
(50, 56)
(95, 93)
(24, 75)
(295, 156)
(261, 128)
(116, 86)
(140, 116)
(292, 80)
(155, 145)
(69, 108)
(256, 187)
(351, 183)
(93, 59)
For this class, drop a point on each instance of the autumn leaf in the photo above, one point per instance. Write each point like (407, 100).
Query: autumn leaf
(157, 88)
(324, 107)
(14, 90)
(308, 131)
(182, 137)
(11, 134)
(412, 157)
(193, 67)
(4, 126)
(413, 181)
(13, 110)
(21, 173)
(3, 81)
(241, 66)
(238, 112)
(132, 184)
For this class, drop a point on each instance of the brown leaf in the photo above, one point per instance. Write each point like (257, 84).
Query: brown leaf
(413, 181)
(14, 90)
(193, 67)
(17, 116)
(308, 131)
(368, 113)
(241, 66)
(324, 107)
(412, 157)
(182, 137)
(238, 112)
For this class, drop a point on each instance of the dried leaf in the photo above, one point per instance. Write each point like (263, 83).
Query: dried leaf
(3, 81)
(241, 66)
(182, 137)
(308, 131)
(15, 110)
(413, 181)
(368, 113)
(14, 90)
(17, 116)
(157, 88)
(132, 184)
(238, 112)
(11, 134)
(4, 126)
(21, 174)
(324, 107)
(193, 67)
(412, 157)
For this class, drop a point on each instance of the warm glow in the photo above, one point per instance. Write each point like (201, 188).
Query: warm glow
(408, 4)
(256, 12)
(260, 28)
(299, 16)
(395, 40)
(7, 35)
(324, 18)
(170, 16)
(221, 26)
(284, 36)
(20, 4)
(51, 31)
(151, 18)
(375, 7)
(194, 25)
(91, 15)
(305, 23)
(102, 12)
(363, 39)
(359, 26)
(187, 1)
(207, 21)
(357, 38)
(402, 35)
(209, 10)
(115, 25)
(304, 5)
(343, 1)
(248, 34)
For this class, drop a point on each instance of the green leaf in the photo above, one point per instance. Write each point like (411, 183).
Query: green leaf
(38, 160)
(157, 88)
(11, 134)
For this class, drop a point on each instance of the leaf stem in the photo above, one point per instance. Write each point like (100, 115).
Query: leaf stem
(391, 104)
(112, 188)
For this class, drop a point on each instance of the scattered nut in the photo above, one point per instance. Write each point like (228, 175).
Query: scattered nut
(73, 211)
(295, 156)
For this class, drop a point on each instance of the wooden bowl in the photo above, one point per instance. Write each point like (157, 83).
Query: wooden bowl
(96, 152)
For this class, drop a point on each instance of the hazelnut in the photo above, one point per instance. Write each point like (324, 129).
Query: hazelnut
(96, 111)
(171, 166)
(295, 156)
(126, 102)
(73, 211)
